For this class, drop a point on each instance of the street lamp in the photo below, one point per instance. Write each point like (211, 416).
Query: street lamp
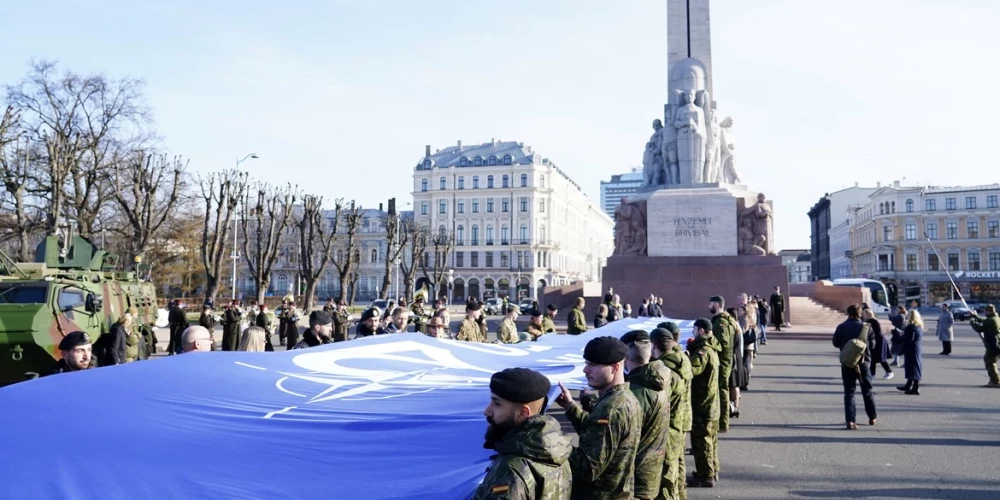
(235, 253)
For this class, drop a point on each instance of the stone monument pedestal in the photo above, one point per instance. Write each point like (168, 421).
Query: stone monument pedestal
(686, 283)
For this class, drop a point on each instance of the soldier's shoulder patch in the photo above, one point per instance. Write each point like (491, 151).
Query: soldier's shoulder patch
(603, 421)
(500, 489)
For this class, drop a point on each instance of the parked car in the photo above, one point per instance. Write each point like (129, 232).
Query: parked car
(380, 304)
(526, 305)
(961, 313)
(492, 306)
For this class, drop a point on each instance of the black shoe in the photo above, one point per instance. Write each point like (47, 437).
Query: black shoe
(735, 414)
(701, 482)
(893, 364)
(903, 388)
(915, 392)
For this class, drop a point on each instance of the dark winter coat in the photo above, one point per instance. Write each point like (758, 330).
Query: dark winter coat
(912, 356)
(877, 342)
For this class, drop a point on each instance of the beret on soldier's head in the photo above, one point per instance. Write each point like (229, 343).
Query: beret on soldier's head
(520, 385)
(73, 340)
(670, 326)
(717, 298)
(552, 307)
(659, 334)
(605, 351)
(703, 323)
(371, 312)
(320, 318)
(635, 336)
(535, 313)
(473, 305)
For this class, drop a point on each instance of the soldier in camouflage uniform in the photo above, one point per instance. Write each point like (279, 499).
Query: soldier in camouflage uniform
(704, 353)
(507, 331)
(535, 325)
(576, 323)
(341, 321)
(724, 328)
(419, 317)
(549, 321)
(469, 330)
(988, 329)
(604, 462)
(648, 381)
(669, 352)
(532, 460)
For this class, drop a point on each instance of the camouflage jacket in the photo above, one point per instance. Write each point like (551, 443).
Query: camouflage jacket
(989, 327)
(534, 331)
(680, 389)
(469, 331)
(724, 329)
(649, 384)
(532, 463)
(507, 332)
(604, 462)
(418, 316)
(548, 324)
(576, 323)
(704, 352)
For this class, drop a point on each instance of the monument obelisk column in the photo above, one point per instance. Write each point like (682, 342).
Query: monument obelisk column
(689, 34)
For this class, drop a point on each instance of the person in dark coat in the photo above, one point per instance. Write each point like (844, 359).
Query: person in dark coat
(897, 318)
(877, 344)
(114, 345)
(913, 334)
(601, 318)
(738, 374)
(231, 327)
(207, 320)
(264, 322)
(177, 318)
(777, 309)
(77, 353)
(860, 375)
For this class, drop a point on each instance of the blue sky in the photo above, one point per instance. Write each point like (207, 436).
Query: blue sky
(340, 97)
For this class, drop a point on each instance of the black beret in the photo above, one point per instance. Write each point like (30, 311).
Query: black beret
(717, 298)
(370, 313)
(605, 351)
(659, 334)
(670, 326)
(320, 318)
(473, 305)
(520, 385)
(535, 313)
(635, 336)
(703, 323)
(72, 340)
(552, 307)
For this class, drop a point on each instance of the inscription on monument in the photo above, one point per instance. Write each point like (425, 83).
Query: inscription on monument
(692, 226)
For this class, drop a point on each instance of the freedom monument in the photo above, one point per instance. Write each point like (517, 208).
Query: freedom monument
(694, 229)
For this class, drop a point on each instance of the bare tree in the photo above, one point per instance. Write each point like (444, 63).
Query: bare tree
(395, 243)
(435, 269)
(413, 253)
(316, 239)
(347, 257)
(147, 190)
(266, 214)
(15, 175)
(221, 192)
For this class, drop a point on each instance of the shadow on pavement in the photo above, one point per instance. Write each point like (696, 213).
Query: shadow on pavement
(868, 440)
(937, 493)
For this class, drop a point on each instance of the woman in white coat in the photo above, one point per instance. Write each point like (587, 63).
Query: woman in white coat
(945, 329)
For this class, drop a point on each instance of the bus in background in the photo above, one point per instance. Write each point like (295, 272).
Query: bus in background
(880, 294)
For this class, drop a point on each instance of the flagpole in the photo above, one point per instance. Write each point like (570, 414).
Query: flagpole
(953, 285)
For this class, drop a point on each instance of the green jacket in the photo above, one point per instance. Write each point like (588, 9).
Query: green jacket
(704, 352)
(575, 322)
(989, 327)
(724, 328)
(604, 462)
(680, 404)
(649, 384)
(532, 463)
(507, 332)
(548, 324)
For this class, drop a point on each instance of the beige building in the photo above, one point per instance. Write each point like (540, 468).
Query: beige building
(963, 223)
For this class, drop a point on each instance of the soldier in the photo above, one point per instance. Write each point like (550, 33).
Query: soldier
(419, 317)
(231, 327)
(576, 323)
(603, 463)
(320, 331)
(177, 319)
(507, 331)
(648, 381)
(777, 309)
(725, 329)
(400, 318)
(207, 320)
(291, 325)
(532, 460)
(535, 325)
(368, 325)
(341, 321)
(261, 320)
(469, 330)
(549, 321)
(77, 353)
(988, 329)
(330, 307)
(704, 353)
(669, 352)
(284, 314)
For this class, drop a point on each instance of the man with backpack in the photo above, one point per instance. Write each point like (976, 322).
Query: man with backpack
(851, 337)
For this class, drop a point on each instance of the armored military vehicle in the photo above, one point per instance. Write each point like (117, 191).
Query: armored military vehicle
(71, 286)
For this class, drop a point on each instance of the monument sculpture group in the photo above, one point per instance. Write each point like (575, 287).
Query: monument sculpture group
(694, 224)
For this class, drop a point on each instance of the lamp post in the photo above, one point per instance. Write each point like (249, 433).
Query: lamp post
(235, 253)
(451, 284)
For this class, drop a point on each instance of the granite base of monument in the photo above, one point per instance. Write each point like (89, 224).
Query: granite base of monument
(686, 283)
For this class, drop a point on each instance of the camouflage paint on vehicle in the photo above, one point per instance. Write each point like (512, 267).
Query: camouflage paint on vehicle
(68, 288)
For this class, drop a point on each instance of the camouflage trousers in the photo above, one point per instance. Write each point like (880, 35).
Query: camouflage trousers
(704, 442)
(674, 483)
(725, 370)
(990, 359)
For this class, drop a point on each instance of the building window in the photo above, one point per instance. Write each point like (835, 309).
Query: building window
(479, 161)
(970, 202)
(991, 201)
(973, 260)
(932, 263)
(881, 208)
(505, 205)
(459, 235)
(886, 233)
(489, 205)
(506, 181)
(489, 182)
(504, 235)
(994, 261)
(949, 204)
(541, 181)
(423, 207)
(463, 161)
(911, 262)
(423, 184)
(885, 263)
(443, 184)
(524, 180)
(541, 206)
(952, 230)
(374, 256)
(520, 259)
(489, 234)
(972, 229)
(930, 205)
(993, 228)
(524, 234)
(909, 205)
(475, 182)
(911, 232)
(893, 207)
(507, 159)
(461, 206)
(442, 207)
(475, 238)
(474, 259)
(504, 260)
(475, 206)
(524, 203)
(493, 160)
(952, 261)
(489, 259)
(459, 259)
(461, 182)
(932, 230)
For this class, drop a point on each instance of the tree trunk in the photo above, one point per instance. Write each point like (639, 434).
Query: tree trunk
(386, 283)
(211, 288)
(310, 297)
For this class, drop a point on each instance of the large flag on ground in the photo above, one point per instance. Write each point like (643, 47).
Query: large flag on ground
(386, 417)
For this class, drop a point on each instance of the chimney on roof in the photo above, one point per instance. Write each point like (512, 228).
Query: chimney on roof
(379, 207)
(878, 184)
(460, 144)
(493, 140)
(427, 151)
(855, 183)
(895, 183)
